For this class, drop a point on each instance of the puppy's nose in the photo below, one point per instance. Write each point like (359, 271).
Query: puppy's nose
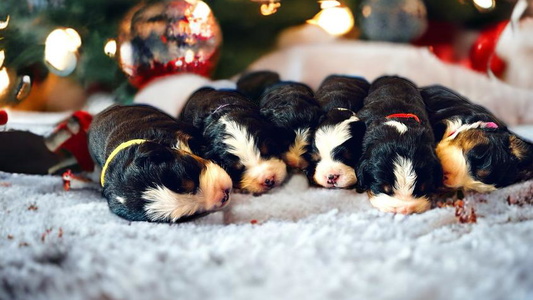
(332, 178)
(269, 182)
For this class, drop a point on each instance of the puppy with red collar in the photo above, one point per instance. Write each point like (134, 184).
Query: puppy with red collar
(237, 137)
(149, 171)
(476, 150)
(338, 139)
(398, 168)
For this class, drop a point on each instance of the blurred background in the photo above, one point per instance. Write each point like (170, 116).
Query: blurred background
(56, 53)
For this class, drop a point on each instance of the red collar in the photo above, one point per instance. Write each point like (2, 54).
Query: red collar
(412, 116)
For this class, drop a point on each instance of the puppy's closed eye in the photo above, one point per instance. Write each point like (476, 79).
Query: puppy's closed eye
(482, 173)
(386, 188)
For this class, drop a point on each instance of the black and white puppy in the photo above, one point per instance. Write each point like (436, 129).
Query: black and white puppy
(337, 141)
(476, 150)
(149, 172)
(293, 109)
(398, 168)
(237, 137)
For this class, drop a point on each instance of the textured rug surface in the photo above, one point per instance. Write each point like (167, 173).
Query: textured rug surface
(297, 242)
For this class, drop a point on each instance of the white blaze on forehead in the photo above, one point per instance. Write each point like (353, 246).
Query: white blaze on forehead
(404, 176)
(241, 144)
(327, 138)
(400, 127)
(402, 200)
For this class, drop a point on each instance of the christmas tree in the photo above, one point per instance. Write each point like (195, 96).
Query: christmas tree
(247, 34)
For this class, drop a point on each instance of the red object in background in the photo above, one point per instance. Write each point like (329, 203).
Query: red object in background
(3, 117)
(442, 39)
(75, 142)
(144, 74)
(483, 52)
(180, 41)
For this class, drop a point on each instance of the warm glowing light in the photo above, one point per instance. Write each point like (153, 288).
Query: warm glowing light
(67, 37)
(189, 56)
(126, 58)
(24, 88)
(329, 4)
(201, 10)
(3, 24)
(270, 8)
(484, 4)
(110, 48)
(60, 50)
(2, 57)
(336, 20)
(4, 81)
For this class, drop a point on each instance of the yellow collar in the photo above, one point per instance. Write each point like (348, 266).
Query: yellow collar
(115, 152)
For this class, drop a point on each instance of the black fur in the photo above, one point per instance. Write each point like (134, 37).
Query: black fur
(146, 165)
(291, 107)
(382, 143)
(253, 84)
(205, 109)
(493, 159)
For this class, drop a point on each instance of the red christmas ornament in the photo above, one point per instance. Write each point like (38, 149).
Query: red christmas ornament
(441, 39)
(168, 37)
(3, 117)
(483, 52)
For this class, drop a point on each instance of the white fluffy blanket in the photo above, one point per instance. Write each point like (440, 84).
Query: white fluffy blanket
(296, 242)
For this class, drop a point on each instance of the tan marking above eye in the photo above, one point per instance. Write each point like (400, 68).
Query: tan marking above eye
(263, 149)
(482, 173)
(387, 188)
(469, 139)
(188, 185)
(517, 146)
(315, 156)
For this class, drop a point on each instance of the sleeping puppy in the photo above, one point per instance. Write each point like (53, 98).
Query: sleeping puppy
(293, 109)
(398, 167)
(338, 139)
(476, 150)
(149, 172)
(253, 84)
(237, 137)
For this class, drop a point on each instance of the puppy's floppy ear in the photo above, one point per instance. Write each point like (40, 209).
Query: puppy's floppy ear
(154, 153)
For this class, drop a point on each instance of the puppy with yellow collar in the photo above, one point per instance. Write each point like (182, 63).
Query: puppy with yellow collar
(149, 169)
